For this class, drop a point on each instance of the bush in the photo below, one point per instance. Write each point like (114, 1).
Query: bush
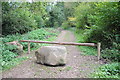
(65, 25)
(7, 54)
(82, 12)
(13, 62)
(22, 17)
(107, 27)
(39, 34)
(108, 71)
(99, 22)
(112, 54)
(17, 20)
(10, 38)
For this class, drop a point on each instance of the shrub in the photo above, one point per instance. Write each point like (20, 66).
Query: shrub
(65, 25)
(113, 53)
(18, 20)
(108, 71)
(7, 54)
(82, 12)
(39, 34)
(99, 22)
(10, 38)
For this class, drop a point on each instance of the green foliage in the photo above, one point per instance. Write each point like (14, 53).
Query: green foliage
(88, 50)
(13, 62)
(106, 24)
(56, 15)
(101, 25)
(112, 54)
(22, 17)
(39, 34)
(16, 20)
(8, 53)
(99, 22)
(95, 22)
(10, 38)
(85, 49)
(69, 9)
(108, 71)
(65, 25)
(81, 13)
(39, 11)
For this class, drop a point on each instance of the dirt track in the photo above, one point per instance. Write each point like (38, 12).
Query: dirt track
(78, 66)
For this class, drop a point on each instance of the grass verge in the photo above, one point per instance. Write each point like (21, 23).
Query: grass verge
(86, 50)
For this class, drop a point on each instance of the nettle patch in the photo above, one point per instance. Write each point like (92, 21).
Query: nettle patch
(108, 71)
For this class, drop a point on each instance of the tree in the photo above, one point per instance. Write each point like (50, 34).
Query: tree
(56, 14)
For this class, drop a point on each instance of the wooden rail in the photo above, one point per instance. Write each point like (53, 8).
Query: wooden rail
(65, 43)
(62, 43)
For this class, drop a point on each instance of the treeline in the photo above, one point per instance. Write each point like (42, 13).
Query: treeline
(95, 21)
(26, 21)
(24, 17)
(99, 22)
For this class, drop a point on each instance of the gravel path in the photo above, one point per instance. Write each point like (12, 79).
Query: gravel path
(78, 66)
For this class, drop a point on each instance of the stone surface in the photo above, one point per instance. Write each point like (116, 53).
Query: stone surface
(51, 55)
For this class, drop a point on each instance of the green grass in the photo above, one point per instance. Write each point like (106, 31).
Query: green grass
(86, 50)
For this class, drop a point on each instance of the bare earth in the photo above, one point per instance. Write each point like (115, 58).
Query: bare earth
(78, 66)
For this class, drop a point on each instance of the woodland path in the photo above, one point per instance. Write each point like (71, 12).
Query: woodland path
(78, 66)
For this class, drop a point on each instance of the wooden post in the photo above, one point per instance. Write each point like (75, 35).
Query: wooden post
(98, 50)
(28, 47)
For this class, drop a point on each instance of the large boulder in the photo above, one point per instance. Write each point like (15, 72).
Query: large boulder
(19, 49)
(51, 55)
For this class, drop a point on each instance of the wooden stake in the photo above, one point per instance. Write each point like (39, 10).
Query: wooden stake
(98, 49)
(28, 47)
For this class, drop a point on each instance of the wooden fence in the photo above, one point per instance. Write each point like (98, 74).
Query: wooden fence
(98, 45)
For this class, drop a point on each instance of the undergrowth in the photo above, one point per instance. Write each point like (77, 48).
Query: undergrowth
(111, 70)
(8, 56)
(108, 71)
(85, 49)
(13, 62)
